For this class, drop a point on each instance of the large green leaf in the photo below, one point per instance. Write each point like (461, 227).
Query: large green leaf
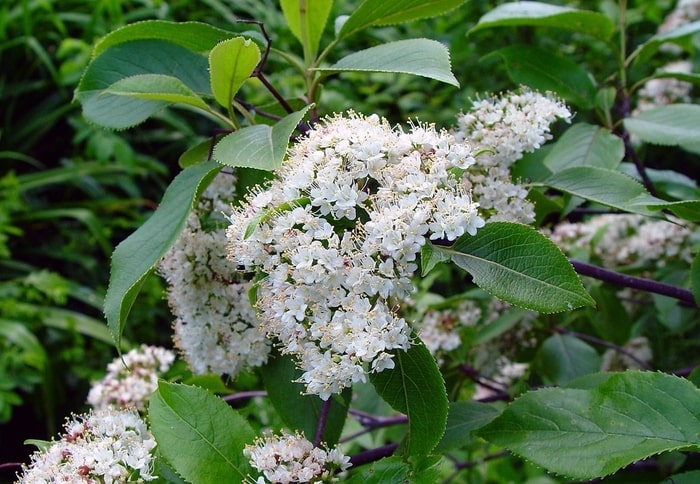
(617, 190)
(299, 411)
(156, 87)
(231, 63)
(260, 146)
(420, 57)
(307, 20)
(131, 59)
(539, 14)
(415, 387)
(516, 263)
(584, 144)
(198, 434)
(390, 12)
(682, 36)
(675, 124)
(607, 187)
(195, 36)
(545, 71)
(135, 257)
(563, 358)
(589, 433)
(462, 419)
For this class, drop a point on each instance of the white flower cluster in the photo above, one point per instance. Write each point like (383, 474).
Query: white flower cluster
(106, 445)
(132, 379)
(509, 125)
(292, 458)
(685, 12)
(335, 238)
(666, 90)
(506, 373)
(216, 328)
(439, 329)
(625, 239)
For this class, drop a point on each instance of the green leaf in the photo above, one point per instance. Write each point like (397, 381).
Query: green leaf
(429, 258)
(194, 36)
(695, 278)
(198, 434)
(315, 16)
(156, 87)
(415, 387)
(25, 343)
(516, 263)
(610, 319)
(679, 36)
(231, 63)
(586, 145)
(462, 419)
(607, 187)
(131, 59)
(506, 321)
(391, 12)
(590, 433)
(389, 469)
(537, 14)
(675, 124)
(260, 146)
(563, 358)
(420, 57)
(198, 153)
(299, 411)
(542, 70)
(135, 257)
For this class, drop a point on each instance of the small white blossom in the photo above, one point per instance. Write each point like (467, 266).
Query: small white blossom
(440, 329)
(337, 245)
(216, 328)
(131, 379)
(106, 445)
(507, 126)
(291, 458)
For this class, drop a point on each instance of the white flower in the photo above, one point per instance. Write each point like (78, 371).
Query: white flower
(336, 246)
(291, 458)
(105, 445)
(216, 328)
(506, 126)
(131, 379)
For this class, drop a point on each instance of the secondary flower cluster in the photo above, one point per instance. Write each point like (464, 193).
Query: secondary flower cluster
(625, 239)
(106, 445)
(131, 379)
(440, 329)
(334, 238)
(216, 328)
(508, 125)
(292, 458)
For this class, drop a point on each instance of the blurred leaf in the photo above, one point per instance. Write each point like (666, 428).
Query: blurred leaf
(518, 264)
(25, 342)
(674, 124)
(420, 57)
(616, 190)
(537, 14)
(131, 59)
(462, 419)
(416, 388)
(695, 278)
(390, 12)
(542, 70)
(389, 469)
(198, 434)
(315, 16)
(300, 411)
(135, 257)
(562, 358)
(610, 318)
(584, 144)
(194, 36)
(590, 433)
(260, 146)
(680, 36)
(231, 63)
